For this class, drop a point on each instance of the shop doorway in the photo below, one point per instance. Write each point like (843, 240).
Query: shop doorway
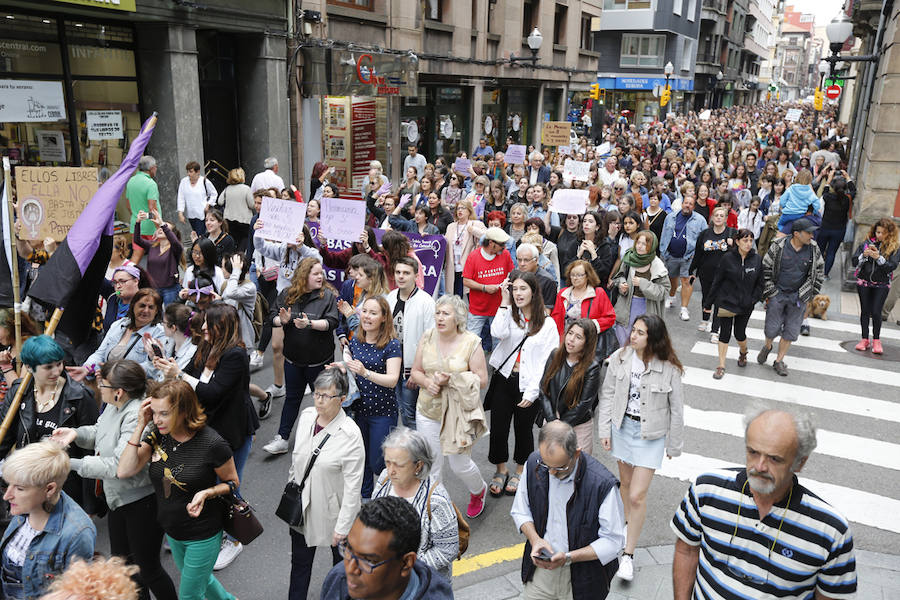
(218, 104)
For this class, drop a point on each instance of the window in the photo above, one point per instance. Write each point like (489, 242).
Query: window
(434, 10)
(363, 4)
(587, 38)
(692, 10)
(626, 4)
(645, 51)
(688, 56)
(529, 10)
(559, 24)
(676, 7)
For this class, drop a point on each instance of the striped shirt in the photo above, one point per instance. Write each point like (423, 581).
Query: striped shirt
(800, 546)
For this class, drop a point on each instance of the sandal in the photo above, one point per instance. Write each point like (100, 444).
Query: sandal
(720, 373)
(498, 482)
(512, 485)
(742, 359)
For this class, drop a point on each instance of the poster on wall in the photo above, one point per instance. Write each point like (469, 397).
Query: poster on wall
(363, 138)
(31, 101)
(51, 198)
(51, 146)
(336, 139)
(337, 115)
(104, 124)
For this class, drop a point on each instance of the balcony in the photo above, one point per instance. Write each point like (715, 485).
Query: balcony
(716, 7)
(707, 58)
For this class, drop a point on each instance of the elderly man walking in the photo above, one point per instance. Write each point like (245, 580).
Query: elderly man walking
(755, 532)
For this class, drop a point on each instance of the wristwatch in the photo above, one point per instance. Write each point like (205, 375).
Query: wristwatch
(568, 559)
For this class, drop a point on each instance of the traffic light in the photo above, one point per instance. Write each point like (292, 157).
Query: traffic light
(595, 91)
(665, 96)
(819, 99)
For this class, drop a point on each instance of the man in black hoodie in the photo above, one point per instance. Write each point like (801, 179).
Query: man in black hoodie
(380, 558)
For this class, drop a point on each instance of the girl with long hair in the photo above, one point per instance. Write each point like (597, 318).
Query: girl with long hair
(203, 262)
(640, 418)
(875, 261)
(571, 381)
(596, 247)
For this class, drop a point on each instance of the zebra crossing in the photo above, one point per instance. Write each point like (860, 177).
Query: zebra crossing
(854, 399)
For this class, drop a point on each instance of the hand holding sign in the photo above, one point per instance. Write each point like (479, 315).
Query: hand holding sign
(343, 219)
(515, 154)
(569, 202)
(283, 219)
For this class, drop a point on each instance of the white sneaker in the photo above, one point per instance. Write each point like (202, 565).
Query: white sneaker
(702, 326)
(669, 301)
(278, 445)
(277, 391)
(256, 359)
(709, 326)
(685, 315)
(714, 337)
(626, 568)
(227, 553)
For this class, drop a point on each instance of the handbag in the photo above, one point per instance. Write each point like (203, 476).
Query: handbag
(290, 508)
(492, 388)
(240, 521)
(462, 527)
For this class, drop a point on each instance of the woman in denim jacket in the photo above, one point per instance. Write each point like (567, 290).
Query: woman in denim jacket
(48, 529)
(640, 417)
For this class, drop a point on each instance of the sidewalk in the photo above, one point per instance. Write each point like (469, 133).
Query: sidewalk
(878, 575)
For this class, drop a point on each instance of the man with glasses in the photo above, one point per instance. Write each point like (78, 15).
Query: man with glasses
(380, 557)
(565, 558)
(762, 534)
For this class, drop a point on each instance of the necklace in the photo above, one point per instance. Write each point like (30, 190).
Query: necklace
(43, 406)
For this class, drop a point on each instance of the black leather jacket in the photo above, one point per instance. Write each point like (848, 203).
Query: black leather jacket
(553, 405)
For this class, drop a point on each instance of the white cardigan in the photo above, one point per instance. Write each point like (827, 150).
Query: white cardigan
(418, 317)
(535, 351)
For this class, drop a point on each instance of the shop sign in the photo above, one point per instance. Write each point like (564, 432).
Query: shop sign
(556, 133)
(104, 124)
(373, 74)
(31, 101)
(127, 5)
(644, 83)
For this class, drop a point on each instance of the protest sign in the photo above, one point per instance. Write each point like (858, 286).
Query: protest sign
(342, 219)
(564, 150)
(515, 154)
(51, 198)
(282, 219)
(555, 133)
(569, 202)
(462, 165)
(603, 149)
(705, 115)
(104, 124)
(430, 251)
(577, 169)
(793, 114)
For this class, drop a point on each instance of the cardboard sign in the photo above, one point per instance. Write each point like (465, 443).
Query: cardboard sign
(104, 124)
(556, 133)
(342, 219)
(462, 165)
(282, 219)
(793, 114)
(569, 202)
(603, 149)
(577, 169)
(705, 115)
(515, 154)
(51, 198)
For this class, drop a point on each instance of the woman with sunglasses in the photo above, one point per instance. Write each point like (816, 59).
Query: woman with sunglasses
(641, 417)
(452, 192)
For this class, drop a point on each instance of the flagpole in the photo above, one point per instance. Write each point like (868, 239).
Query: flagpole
(13, 252)
(25, 381)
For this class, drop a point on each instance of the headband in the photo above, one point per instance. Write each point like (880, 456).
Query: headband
(197, 291)
(130, 269)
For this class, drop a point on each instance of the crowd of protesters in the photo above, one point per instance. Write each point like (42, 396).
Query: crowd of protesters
(538, 316)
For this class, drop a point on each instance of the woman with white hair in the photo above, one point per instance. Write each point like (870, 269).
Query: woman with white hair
(48, 529)
(408, 459)
(446, 352)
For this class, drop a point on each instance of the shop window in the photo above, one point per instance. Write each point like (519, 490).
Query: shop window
(363, 4)
(559, 24)
(29, 44)
(643, 51)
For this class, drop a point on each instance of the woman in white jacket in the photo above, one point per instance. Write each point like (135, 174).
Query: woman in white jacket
(525, 340)
(331, 493)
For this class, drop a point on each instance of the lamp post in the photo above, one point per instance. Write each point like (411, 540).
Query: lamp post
(823, 69)
(534, 40)
(667, 70)
(719, 77)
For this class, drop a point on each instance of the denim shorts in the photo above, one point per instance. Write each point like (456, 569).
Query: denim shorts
(629, 447)
(678, 267)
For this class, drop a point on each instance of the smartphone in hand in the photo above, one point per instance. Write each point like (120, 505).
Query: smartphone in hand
(544, 555)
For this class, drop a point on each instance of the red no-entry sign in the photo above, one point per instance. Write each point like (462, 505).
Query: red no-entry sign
(833, 92)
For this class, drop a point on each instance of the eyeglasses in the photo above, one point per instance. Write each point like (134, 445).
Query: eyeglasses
(364, 565)
(108, 387)
(320, 396)
(566, 469)
(743, 575)
(577, 275)
(118, 282)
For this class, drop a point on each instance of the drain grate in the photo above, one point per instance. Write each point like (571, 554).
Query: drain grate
(891, 352)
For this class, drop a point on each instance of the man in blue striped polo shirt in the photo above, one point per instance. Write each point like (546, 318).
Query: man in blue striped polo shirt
(756, 532)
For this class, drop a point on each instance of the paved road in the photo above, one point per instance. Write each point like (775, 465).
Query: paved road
(855, 400)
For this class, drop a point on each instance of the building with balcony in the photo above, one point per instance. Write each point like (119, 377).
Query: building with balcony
(637, 38)
(708, 73)
(758, 38)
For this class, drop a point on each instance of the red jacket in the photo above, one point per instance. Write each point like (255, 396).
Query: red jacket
(595, 306)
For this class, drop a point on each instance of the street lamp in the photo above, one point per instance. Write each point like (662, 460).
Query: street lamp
(716, 92)
(534, 40)
(838, 31)
(667, 94)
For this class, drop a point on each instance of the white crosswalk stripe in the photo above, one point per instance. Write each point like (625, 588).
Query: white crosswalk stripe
(823, 365)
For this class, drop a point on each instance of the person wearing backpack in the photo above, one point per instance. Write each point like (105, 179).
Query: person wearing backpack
(408, 458)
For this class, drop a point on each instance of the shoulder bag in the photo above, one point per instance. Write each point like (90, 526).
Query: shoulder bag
(462, 527)
(290, 509)
(492, 388)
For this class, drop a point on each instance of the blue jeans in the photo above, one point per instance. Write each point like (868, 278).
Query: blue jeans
(829, 240)
(480, 325)
(198, 225)
(296, 378)
(170, 294)
(406, 402)
(374, 429)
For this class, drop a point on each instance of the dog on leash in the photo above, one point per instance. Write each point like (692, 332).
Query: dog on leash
(819, 307)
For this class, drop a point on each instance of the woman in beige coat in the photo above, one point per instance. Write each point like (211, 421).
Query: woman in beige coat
(462, 236)
(640, 417)
(331, 494)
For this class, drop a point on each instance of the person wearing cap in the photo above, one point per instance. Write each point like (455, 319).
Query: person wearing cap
(793, 272)
(484, 271)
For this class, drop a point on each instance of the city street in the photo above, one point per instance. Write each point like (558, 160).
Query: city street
(853, 398)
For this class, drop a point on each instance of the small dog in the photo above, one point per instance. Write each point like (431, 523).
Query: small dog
(819, 307)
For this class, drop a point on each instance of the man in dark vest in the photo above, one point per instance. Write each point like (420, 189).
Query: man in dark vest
(568, 506)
